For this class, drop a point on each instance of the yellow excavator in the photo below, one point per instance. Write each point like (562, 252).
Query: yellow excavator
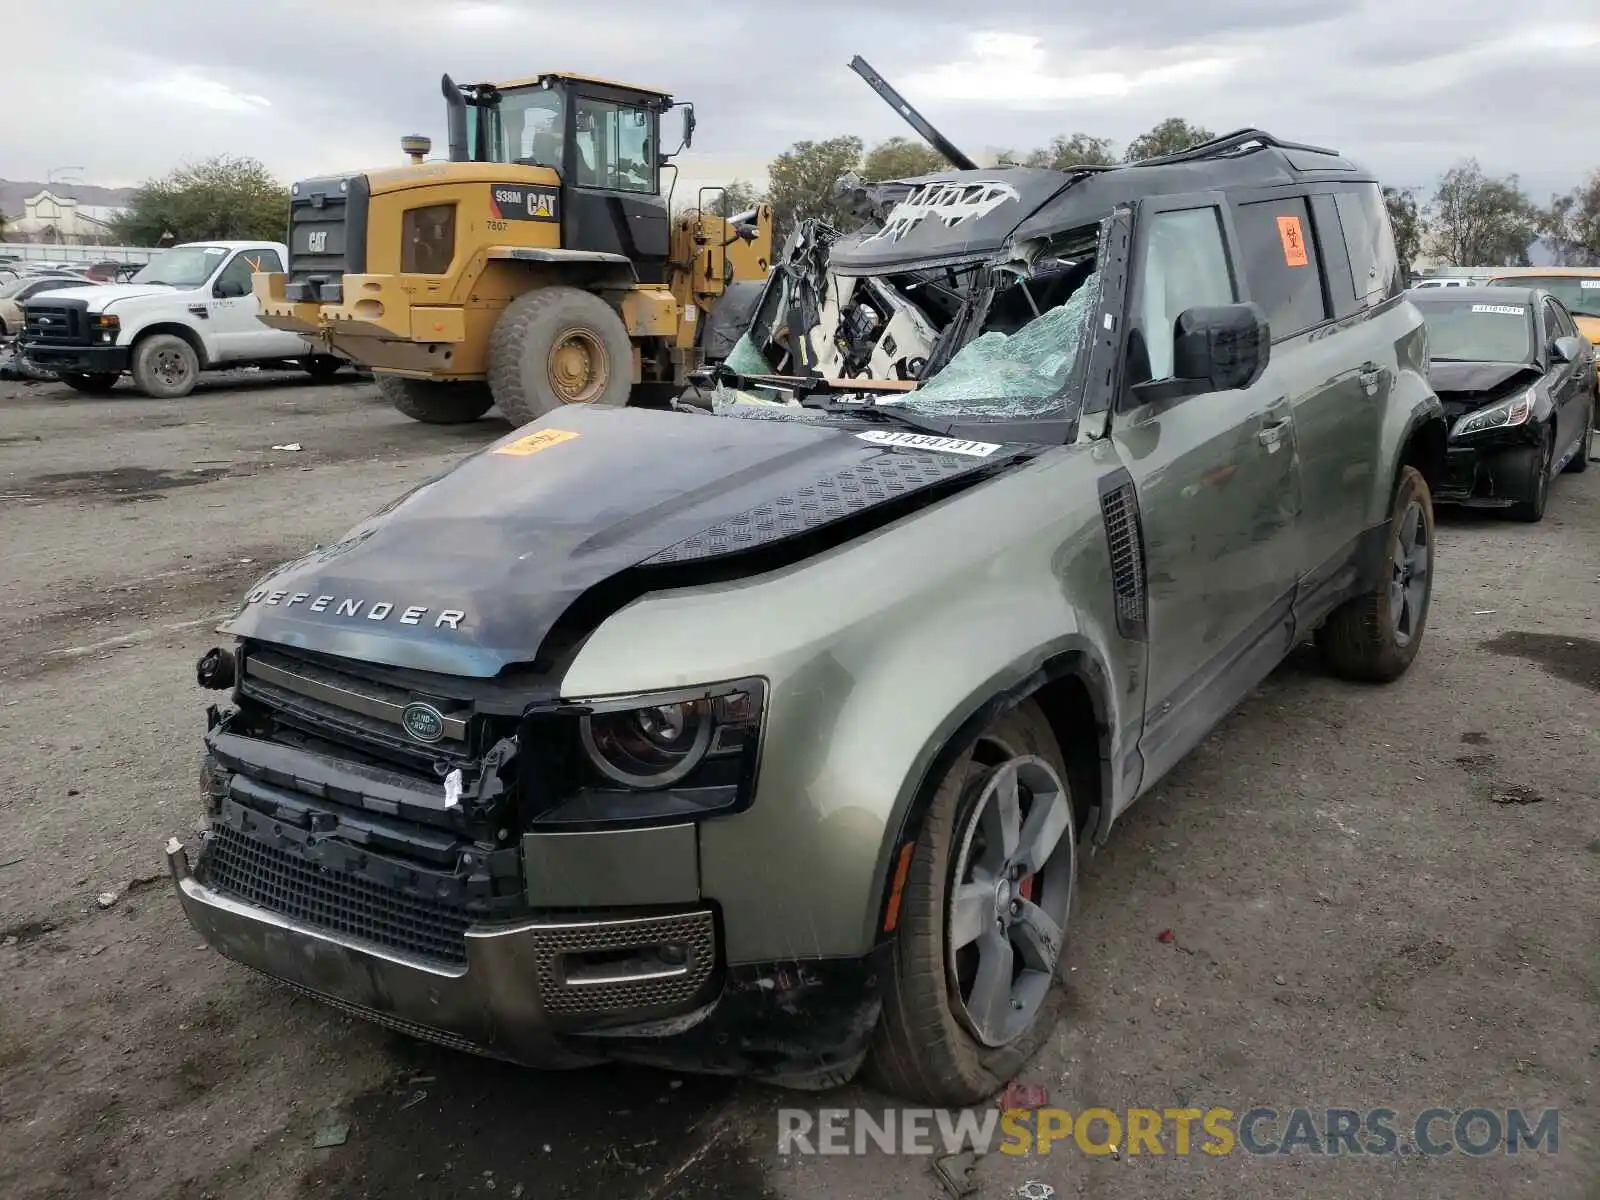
(539, 266)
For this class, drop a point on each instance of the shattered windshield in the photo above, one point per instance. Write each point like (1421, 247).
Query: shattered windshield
(1021, 374)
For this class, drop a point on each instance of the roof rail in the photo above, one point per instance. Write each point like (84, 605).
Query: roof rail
(1228, 143)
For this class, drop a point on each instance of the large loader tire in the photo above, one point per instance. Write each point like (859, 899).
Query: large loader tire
(434, 401)
(557, 346)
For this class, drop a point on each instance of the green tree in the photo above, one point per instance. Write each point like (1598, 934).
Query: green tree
(803, 182)
(1572, 222)
(901, 158)
(1169, 137)
(736, 197)
(222, 197)
(1078, 150)
(1479, 221)
(1406, 221)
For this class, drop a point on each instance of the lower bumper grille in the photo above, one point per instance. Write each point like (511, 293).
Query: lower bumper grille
(344, 904)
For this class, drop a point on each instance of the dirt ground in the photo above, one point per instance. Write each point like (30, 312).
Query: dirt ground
(1378, 897)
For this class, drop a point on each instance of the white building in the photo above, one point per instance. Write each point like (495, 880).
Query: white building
(61, 221)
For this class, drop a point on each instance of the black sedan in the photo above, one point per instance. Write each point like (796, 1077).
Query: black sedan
(1518, 384)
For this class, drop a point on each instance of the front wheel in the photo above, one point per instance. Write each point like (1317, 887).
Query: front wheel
(1532, 509)
(89, 385)
(1374, 637)
(1580, 460)
(974, 989)
(557, 346)
(165, 366)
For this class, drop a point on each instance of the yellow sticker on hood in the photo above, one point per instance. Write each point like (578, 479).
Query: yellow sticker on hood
(536, 442)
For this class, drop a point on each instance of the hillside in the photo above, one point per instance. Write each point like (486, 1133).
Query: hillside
(14, 192)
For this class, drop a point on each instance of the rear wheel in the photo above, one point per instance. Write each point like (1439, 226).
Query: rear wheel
(974, 988)
(557, 346)
(1375, 636)
(436, 401)
(322, 367)
(1532, 509)
(89, 385)
(165, 366)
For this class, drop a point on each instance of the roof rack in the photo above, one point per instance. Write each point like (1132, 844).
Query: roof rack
(1229, 143)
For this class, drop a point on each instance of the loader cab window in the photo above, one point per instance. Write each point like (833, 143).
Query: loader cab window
(614, 146)
(528, 127)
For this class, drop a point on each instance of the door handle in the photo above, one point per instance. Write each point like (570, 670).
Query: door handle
(1369, 376)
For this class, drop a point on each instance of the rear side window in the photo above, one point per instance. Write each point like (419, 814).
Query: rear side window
(1281, 264)
(1369, 241)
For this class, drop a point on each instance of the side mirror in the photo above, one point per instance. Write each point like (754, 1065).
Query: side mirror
(688, 135)
(1565, 349)
(1215, 349)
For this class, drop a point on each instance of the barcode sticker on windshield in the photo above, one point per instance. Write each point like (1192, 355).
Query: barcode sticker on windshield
(1589, 283)
(928, 441)
(1505, 310)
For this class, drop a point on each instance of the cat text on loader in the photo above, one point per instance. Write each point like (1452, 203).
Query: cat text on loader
(537, 267)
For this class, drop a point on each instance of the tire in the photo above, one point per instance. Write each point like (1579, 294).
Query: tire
(929, 1047)
(1580, 460)
(557, 346)
(434, 401)
(1531, 511)
(89, 385)
(165, 367)
(1364, 638)
(321, 367)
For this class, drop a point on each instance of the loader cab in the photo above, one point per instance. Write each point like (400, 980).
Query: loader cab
(603, 140)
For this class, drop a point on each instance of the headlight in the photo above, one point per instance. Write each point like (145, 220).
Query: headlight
(1504, 415)
(680, 755)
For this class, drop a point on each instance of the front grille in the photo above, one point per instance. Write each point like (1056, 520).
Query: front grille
(280, 882)
(48, 324)
(334, 703)
(1119, 505)
(563, 992)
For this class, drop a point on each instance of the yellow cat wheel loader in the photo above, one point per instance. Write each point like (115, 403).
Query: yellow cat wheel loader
(538, 267)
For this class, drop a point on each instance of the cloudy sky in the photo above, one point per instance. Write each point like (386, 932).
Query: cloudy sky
(123, 91)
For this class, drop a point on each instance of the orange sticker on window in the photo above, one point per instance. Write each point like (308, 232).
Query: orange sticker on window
(1294, 241)
(536, 442)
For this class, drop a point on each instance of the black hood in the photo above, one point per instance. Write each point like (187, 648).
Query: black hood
(1481, 379)
(950, 217)
(470, 572)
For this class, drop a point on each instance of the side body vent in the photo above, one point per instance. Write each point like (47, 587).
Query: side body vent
(1119, 506)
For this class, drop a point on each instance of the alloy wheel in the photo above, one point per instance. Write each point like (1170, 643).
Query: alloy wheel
(1010, 896)
(1408, 582)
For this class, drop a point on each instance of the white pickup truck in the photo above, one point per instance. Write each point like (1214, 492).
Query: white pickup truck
(188, 310)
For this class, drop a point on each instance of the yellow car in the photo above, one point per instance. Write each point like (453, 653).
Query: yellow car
(1578, 289)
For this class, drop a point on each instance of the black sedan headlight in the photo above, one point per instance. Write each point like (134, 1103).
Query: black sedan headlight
(664, 756)
(1505, 415)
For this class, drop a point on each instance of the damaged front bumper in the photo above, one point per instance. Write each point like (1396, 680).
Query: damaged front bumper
(559, 990)
(1492, 470)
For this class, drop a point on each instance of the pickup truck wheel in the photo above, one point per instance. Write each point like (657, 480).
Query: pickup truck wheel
(89, 385)
(556, 346)
(321, 367)
(436, 401)
(1374, 637)
(165, 366)
(974, 988)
